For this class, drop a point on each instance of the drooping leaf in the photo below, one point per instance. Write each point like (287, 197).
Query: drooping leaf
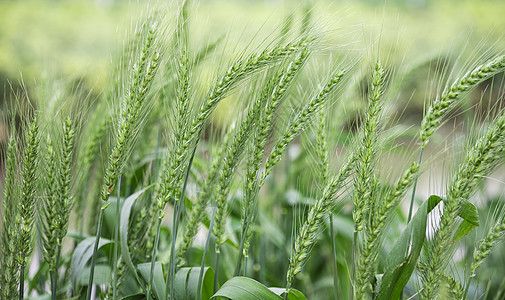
(186, 283)
(82, 254)
(468, 212)
(102, 275)
(123, 233)
(402, 259)
(158, 278)
(244, 288)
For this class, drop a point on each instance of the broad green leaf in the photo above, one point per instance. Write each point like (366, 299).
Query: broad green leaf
(82, 255)
(244, 288)
(109, 218)
(158, 279)
(468, 212)
(186, 283)
(102, 275)
(403, 257)
(293, 294)
(123, 233)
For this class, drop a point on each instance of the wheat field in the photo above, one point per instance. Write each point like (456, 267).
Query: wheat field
(286, 166)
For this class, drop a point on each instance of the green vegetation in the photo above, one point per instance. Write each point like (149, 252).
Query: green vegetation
(291, 163)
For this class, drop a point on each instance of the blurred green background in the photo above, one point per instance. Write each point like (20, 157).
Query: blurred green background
(76, 38)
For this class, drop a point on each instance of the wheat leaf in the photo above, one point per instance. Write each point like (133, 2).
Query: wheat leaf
(244, 288)
(186, 283)
(123, 232)
(402, 259)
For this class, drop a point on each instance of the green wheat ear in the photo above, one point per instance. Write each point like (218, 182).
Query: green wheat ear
(208, 192)
(9, 266)
(367, 150)
(486, 245)
(29, 179)
(455, 92)
(297, 124)
(28, 185)
(365, 182)
(57, 202)
(48, 218)
(384, 211)
(310, 229)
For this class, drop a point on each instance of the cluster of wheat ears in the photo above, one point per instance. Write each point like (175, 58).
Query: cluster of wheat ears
(112, 169)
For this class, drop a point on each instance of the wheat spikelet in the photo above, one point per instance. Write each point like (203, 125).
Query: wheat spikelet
(230, 163)
(27, 202)
(371, 244)
(49, 217)
(208, 192)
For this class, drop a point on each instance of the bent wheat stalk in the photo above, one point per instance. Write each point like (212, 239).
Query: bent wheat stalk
(136, 105)
(480, 160)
